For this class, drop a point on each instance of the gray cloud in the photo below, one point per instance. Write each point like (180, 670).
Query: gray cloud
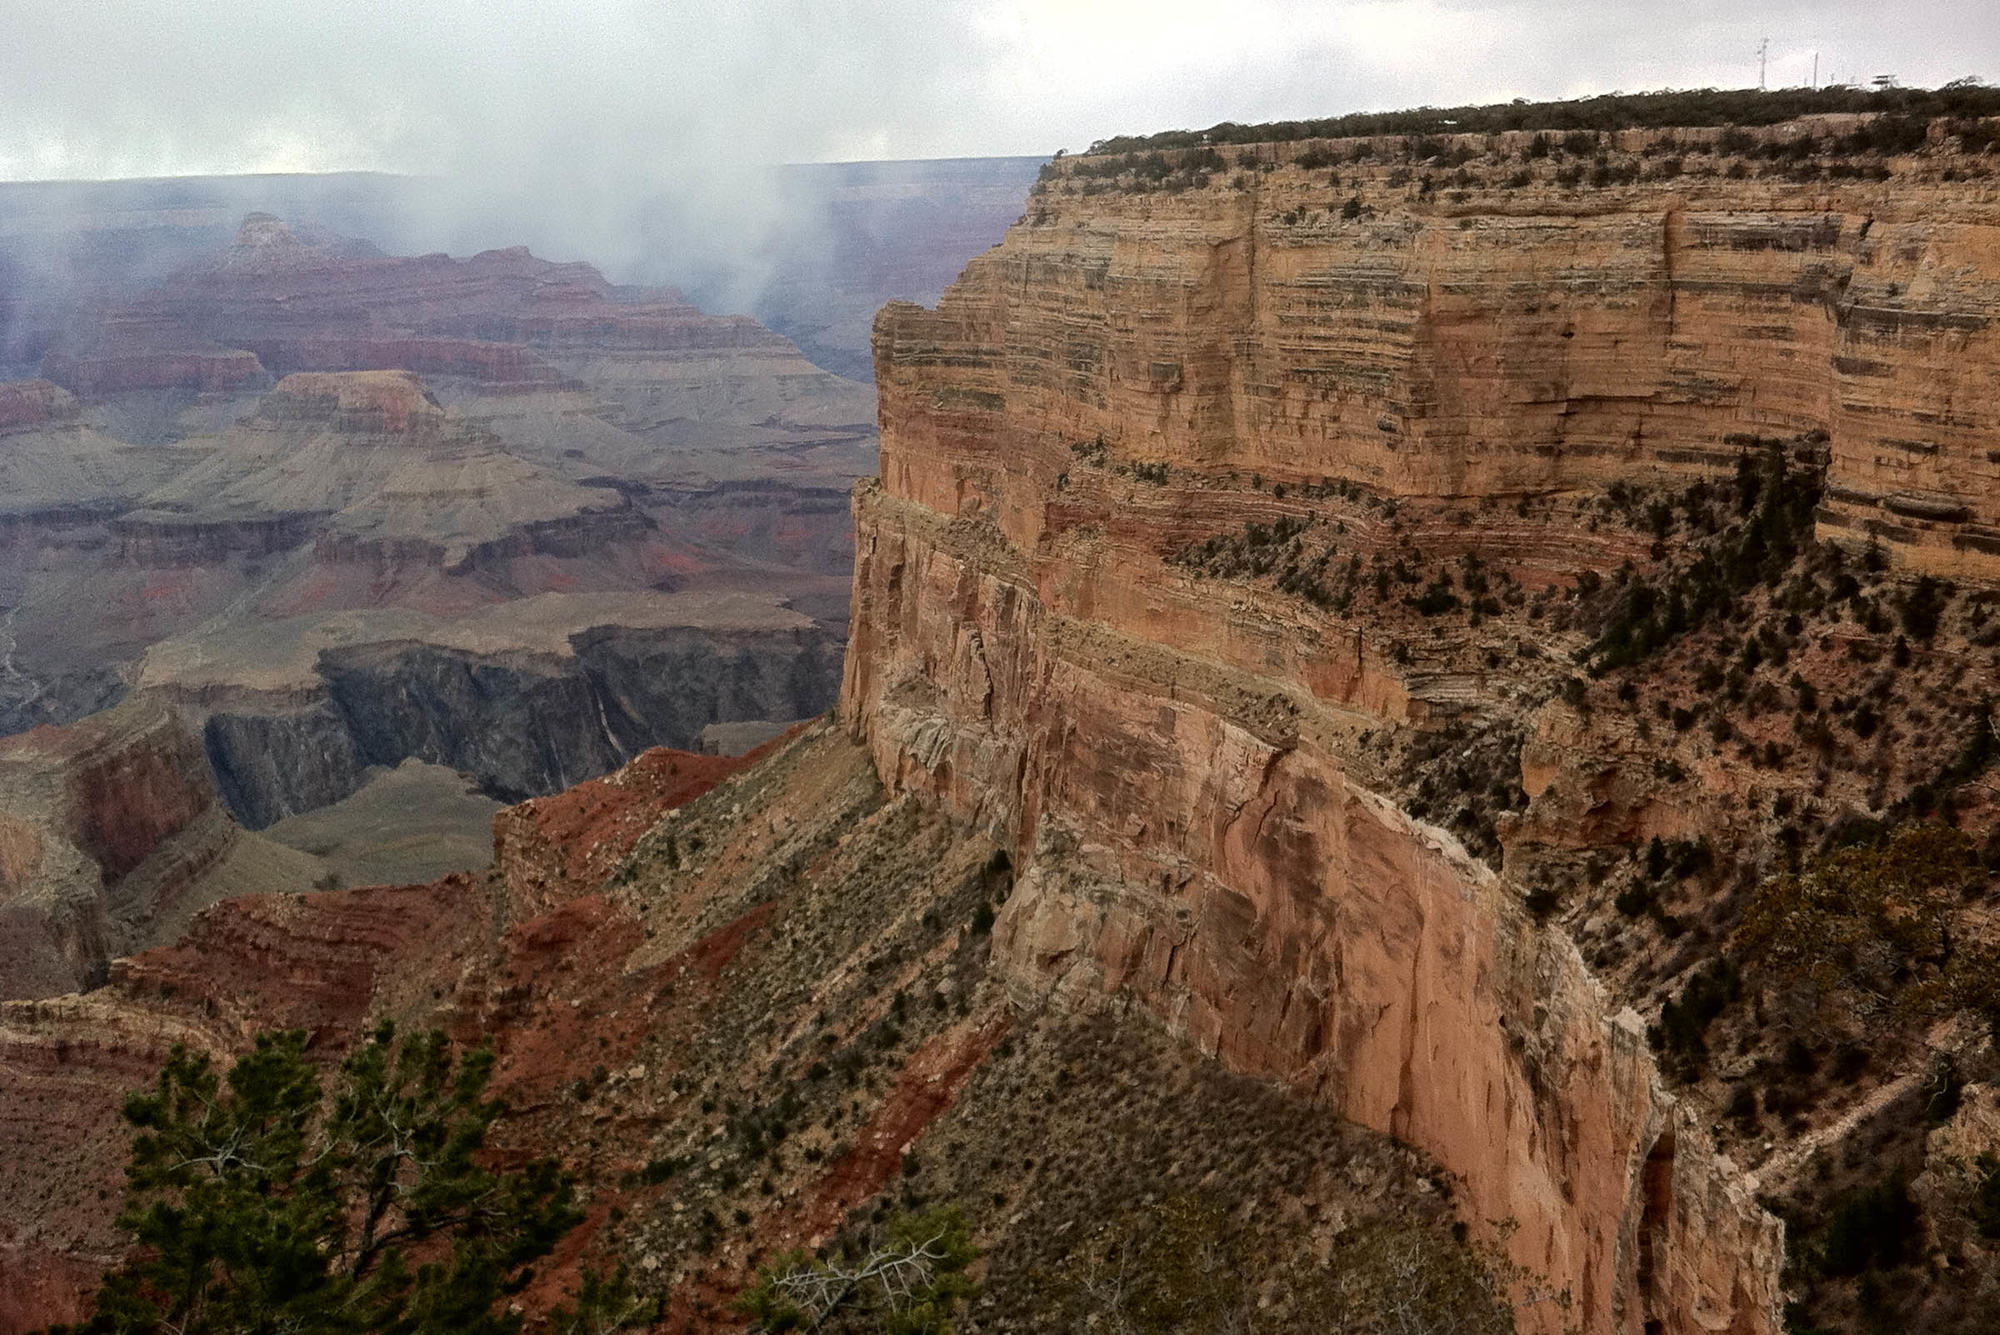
(556, 121)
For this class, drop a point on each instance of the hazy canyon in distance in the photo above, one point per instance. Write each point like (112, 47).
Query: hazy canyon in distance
(1412, 720)
(336, 550)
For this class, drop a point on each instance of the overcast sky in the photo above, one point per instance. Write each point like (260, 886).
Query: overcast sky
(552, 117)
(93, 88)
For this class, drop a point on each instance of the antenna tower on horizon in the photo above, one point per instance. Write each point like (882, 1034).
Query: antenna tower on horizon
(1763, 60)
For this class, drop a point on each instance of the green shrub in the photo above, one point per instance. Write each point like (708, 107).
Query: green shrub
(1922, 605)
(1986, 1197)
(1706, 994)
(1904, 115)
(260, 1203)
(1871, 1229)
(1436, 599)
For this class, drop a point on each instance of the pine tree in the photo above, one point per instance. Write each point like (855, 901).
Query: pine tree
(260, 1204)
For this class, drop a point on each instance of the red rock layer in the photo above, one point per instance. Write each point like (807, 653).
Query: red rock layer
(145, 347)
(497, 364)
(339, 312)
(549, 849)
(127, 793)
(31, 403)
(331, 963)
(278, 301)
(107, 824)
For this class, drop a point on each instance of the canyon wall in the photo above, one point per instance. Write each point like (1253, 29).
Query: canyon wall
(1489, 332)
(1189, 769)
(519, 724)
(111, 839)
(1187, 835)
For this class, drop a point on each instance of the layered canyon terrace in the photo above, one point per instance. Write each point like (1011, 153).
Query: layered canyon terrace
(1354, 642)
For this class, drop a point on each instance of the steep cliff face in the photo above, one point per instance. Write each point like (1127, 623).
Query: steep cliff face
(1191, 836)
(749, 1004)
(144, 347)
(524, 699)
(111, 839)
(525, 727)
(1149, 383)
(1468, 325)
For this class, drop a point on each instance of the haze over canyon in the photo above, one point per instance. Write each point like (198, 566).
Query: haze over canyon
(1377, 724)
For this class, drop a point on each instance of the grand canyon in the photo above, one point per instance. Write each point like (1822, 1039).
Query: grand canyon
(1414, 691)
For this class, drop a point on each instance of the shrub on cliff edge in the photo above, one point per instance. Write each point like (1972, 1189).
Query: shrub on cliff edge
(909, 1283)
(1878, 932)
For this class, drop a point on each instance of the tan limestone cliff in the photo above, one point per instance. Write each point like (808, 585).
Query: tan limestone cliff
(1183, 766)
(1511, 335)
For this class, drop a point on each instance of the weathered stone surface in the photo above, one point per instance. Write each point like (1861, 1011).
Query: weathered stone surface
(1180, 765)
(111, 838)
(1189, 837)
(1495, 339)
(551, 849)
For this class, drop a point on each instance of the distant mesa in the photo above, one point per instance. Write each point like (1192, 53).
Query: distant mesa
(368, 402)
(32, 403)
(267, 241)
(287, 297)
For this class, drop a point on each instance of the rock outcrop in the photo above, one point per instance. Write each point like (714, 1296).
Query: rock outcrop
(30, 403)
(145, 347)
(111, 839)
(525, 698)
(1189, 836)
(1187, 770)
(1495, 332)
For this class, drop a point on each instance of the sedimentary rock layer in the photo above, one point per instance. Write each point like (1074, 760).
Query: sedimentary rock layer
(1485, 331)
(1181, 765)
(111, 838)
(1189, 837)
